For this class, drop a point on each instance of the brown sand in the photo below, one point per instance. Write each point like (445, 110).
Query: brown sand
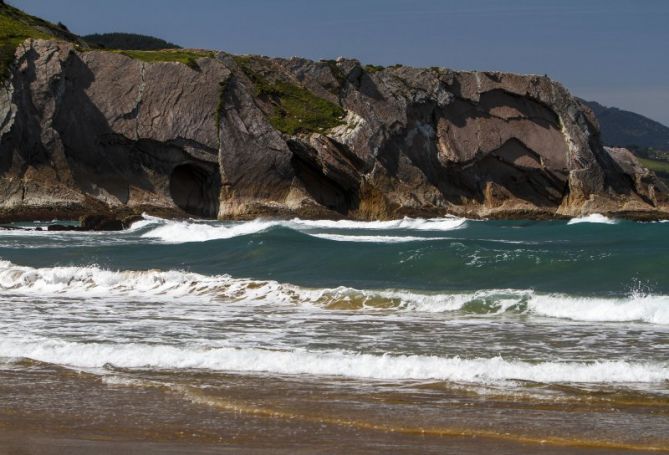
(47, 410)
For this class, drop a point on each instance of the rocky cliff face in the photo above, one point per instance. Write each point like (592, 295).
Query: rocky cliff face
(214, 135)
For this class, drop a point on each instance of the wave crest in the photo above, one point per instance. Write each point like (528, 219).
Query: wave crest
(332, 363)
(187, 231)
(593, 218)
(96, 282)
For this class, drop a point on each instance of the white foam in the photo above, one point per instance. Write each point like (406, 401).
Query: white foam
(331, 363)
(188, 231)
(141, 224)
(649, 308)
(376, 238)
(93, 281)
(419, 224)
(593, 218)
(183, 231)
(175, 231)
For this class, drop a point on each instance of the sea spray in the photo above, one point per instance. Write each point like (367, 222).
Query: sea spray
(593, 218)
(188, 231)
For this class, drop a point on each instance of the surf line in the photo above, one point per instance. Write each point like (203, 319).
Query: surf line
(196, 396)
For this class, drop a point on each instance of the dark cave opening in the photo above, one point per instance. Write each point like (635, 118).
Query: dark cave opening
(195, 190)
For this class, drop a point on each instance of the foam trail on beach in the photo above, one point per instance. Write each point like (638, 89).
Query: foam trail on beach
(331, 363)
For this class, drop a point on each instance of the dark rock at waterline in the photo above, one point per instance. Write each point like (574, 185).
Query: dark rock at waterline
(100, 223)
(61, 227)
(106, 222)
(86, 223)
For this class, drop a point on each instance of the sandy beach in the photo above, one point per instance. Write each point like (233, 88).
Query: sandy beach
(49, 410)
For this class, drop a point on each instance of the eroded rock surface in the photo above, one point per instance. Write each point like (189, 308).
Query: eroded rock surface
(239, 137)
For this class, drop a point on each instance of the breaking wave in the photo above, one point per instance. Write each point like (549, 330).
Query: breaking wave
(593, 218)
(92, 281)
(376, 238)
(331, 363)
(186, 231)
(418, 224)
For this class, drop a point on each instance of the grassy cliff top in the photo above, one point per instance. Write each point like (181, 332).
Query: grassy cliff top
(186, 56)
(16, 26)
(294, 108)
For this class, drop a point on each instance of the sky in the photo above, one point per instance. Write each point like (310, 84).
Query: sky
(611, 51)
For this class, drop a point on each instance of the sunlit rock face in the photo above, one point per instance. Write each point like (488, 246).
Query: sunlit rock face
(240, 137)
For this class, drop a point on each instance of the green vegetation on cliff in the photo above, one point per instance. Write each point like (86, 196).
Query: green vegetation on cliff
(374, 68)
(15, 27)
(661, 168)
(295, 109)
(187, 57)
(128, 41)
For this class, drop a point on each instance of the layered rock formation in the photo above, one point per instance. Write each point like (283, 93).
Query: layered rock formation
(87, 131)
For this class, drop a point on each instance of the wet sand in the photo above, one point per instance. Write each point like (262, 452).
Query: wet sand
(36, 444)
(51, 410)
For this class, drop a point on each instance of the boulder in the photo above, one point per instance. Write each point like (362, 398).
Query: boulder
(61, 227)
(100, 223)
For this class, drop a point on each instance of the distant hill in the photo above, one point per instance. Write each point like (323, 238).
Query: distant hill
(624, 128)
(648, 139)
(128, 41)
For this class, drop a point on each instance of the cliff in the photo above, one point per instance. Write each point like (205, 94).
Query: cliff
(199, 133)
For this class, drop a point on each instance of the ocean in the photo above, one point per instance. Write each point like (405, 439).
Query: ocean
(406, 336)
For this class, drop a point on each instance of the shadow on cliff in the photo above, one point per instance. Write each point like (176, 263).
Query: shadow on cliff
(105, 163)
(101, 160)
(615, 177)
(513, 166)
(333, 184)
(24, 141)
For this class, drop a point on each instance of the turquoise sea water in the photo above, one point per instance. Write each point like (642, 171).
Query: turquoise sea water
(513, 330)
(447, 299)
(589, 259)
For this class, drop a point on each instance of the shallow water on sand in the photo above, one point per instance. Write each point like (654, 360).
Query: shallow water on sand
(412, 334)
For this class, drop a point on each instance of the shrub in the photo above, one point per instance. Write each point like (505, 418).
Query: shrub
(295, 109)
(374, 68)
(187, 57)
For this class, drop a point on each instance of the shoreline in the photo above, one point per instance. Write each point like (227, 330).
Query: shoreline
(169, 214)
(73, 412)
(20, 442)
(133, 352)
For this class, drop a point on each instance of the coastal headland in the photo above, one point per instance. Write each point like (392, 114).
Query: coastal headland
(208, 134)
